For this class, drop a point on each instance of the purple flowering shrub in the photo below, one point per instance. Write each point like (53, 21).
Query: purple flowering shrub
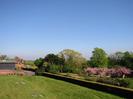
(112, 72)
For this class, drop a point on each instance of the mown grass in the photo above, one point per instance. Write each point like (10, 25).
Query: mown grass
(36, 87)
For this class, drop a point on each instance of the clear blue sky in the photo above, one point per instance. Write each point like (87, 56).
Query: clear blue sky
(33, 28)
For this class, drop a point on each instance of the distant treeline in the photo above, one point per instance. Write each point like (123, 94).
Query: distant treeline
(72, 61)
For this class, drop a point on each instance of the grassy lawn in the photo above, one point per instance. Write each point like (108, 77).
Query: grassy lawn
(35, 87)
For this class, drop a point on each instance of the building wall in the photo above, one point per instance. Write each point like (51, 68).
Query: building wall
(7, 66)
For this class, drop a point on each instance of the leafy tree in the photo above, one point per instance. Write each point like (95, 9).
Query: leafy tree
(54, 59)
(72, 58)
(3, 57)
(39, 62)
(128, 59)
(121, 59)
(116, 59)
(55, 68)
(53, 63)
(74, 61)
(99, 58)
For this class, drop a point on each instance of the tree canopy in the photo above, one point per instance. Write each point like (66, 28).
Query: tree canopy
(54, 59)
(99, 58)
(39, 62)
(121, 59)
(72, 58)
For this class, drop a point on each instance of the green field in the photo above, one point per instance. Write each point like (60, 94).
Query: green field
(35, 87)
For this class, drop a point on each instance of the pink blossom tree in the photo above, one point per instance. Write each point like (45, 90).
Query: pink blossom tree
(112, 72)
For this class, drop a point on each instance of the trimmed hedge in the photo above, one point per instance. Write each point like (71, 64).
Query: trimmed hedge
(120, 91)
(30, 69)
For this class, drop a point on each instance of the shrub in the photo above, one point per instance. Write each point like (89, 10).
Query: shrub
(72, 69)
(77, 70)
(68, 69)
(91, 71)
(119, 72)
(113, 72)
(113, 81)
(97, 71)
(55, 68)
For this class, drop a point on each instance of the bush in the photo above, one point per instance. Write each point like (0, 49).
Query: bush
(113, 81)
(39, 62)
(41, 69)
(30, 69)
(119, 72)
(55, 68)
(92, 71)
(67, 69)
(77, 70)
(113, 72)
(71, 69)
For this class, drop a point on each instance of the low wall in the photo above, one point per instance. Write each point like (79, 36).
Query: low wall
(29, 69)
(120, 91)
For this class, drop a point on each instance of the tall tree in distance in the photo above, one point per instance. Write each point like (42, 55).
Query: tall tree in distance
(3, 57)
(116, 59)
(121, 59)
(54, 59)
(39, 62)
(99, 58)
(72, 58)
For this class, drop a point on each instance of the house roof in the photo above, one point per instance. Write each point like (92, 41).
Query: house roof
(7, 62)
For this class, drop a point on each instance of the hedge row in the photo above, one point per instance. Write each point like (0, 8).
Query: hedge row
(120, 91)
(30, 69)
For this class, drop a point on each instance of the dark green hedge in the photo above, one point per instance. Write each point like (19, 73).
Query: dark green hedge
(29, 69)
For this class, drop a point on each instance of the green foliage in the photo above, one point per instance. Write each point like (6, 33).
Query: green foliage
(29, 64)
(71, 69)
(3, 57)
(72, 58)
(121, 59)
(55, 68)
(88, 63)
(51, 63)
(73, 61)
(116, 59)
(99, 58)
(54, 59)
(67, 69)
(39, 62)
(128, 59)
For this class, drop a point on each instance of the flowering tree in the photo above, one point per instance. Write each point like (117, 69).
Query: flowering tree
(119, 72)
(113, 72)
(91, 71)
